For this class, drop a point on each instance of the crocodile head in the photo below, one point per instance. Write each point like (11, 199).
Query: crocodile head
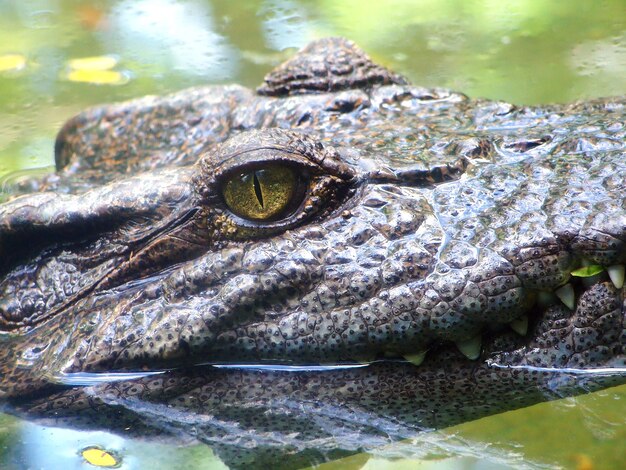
(420, 255)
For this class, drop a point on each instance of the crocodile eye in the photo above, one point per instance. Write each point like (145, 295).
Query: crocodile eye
(263, 194)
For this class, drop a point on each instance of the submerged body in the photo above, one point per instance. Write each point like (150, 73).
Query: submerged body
(336, 217)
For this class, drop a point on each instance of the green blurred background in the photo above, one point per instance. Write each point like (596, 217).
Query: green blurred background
(522, 51)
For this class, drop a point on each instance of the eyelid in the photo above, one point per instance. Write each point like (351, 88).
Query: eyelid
(298, 164)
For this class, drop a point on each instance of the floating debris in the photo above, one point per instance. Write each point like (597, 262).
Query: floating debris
(99, 457)
(103, 62)
(12, 62)
(97, 70)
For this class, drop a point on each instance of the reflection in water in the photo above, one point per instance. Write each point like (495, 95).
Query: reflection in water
(49, 447)
(44, 447)
(286, 24)
(603, 61)
(171, 34)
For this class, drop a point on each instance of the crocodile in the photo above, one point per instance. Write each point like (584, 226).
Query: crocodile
(332, 261)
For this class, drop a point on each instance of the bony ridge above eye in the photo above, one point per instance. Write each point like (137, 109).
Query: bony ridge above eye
(265, 193)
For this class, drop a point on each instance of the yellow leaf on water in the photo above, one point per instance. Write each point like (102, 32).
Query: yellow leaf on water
(12, 62)
(99, 457)
(98, 77)
(583, 462)
(103, 62)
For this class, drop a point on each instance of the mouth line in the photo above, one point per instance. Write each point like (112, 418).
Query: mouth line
(522, 334)
(596, 371)
(509, 345)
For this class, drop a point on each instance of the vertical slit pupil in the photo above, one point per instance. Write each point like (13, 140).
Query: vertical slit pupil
(257, 189)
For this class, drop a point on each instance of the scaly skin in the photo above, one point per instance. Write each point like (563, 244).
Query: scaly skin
(428, 224)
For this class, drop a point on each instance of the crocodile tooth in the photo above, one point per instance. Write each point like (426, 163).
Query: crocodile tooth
(520, 325)
(416, 358)
(567, 296)
(616, 273)
(470, 347)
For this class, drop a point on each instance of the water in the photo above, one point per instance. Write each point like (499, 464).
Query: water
(523, 51)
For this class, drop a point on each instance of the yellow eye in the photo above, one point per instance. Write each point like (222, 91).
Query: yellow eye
(262, 194)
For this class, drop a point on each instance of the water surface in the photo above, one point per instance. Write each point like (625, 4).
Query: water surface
(59, 56)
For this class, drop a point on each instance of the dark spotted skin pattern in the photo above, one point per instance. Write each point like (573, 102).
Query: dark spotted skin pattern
(428, 220)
